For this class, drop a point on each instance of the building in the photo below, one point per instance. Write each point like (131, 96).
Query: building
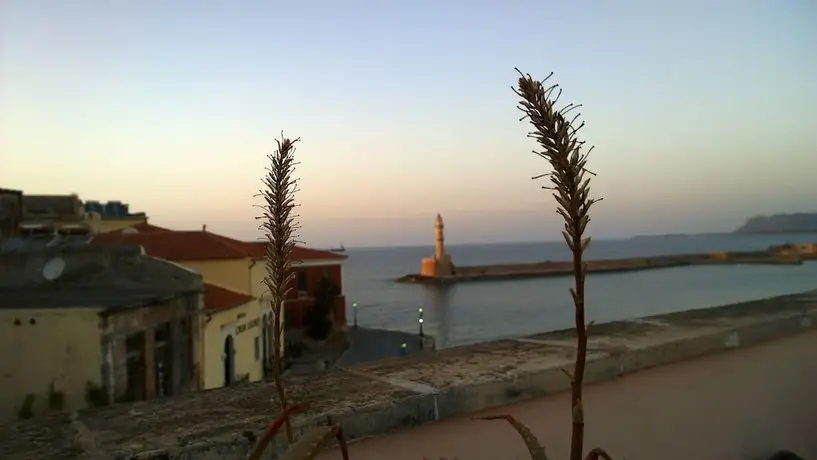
(84, 325)
(53, 213)
(112, 215)
(237, 330)
(311, 267)
(38, 214)
(235, 326)
(11, 212)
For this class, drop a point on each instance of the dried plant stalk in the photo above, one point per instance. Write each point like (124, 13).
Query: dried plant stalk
(570, 183)
(279, 223)
(535, 449)
(269, 434)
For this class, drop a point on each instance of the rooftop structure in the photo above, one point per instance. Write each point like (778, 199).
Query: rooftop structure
(65, 207)
(11, 212)
(105, 276)
(111, 209)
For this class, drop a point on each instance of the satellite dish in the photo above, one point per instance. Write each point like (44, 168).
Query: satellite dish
(53, 268)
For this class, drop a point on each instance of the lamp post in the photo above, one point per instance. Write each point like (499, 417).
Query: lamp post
(420, 321)
(403, 349)
(354, 310)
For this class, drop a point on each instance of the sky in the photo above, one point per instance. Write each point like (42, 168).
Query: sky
(702, 113)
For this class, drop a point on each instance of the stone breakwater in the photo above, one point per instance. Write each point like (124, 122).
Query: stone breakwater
(776, 255)
(374, 398)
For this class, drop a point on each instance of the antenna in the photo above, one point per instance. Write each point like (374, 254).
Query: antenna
(52, 269)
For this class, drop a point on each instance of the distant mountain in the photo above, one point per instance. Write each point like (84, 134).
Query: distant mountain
(805, 222)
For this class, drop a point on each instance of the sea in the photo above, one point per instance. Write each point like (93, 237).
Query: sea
(486, 310)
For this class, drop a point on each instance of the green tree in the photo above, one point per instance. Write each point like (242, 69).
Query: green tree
(318, 318)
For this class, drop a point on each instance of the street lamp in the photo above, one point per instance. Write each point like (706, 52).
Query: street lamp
(403, 349)
(420, 321)
(354, 310)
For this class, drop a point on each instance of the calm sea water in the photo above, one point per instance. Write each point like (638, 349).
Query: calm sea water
(474, 312)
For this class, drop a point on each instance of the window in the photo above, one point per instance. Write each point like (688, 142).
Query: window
(302, 281)
(257, 348)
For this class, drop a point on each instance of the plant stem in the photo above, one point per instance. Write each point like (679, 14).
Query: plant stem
(279, 224)
(276, 357)
(577, 436)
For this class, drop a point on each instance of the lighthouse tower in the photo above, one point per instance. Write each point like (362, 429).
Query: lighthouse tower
(439, 264)
(439, 238)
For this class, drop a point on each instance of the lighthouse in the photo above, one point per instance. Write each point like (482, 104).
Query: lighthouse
(439, 238)
(438, 265)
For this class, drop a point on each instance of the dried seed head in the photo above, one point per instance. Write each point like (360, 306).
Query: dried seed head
(279, 220)
(279, 223)
(559, 144)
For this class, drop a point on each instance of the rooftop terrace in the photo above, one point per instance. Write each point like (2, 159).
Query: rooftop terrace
(374, 398)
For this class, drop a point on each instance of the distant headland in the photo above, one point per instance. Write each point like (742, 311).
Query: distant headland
(440, 268)
(803, 222)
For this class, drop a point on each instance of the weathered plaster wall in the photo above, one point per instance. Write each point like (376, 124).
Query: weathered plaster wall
(232, 274)
(243, 324)
(118, 325)
(110, 224)
(41, 348)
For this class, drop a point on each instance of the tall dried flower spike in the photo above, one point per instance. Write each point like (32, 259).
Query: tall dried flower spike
(279, 223)
(560, 146)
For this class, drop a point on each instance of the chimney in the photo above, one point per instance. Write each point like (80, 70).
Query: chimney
(204, 228)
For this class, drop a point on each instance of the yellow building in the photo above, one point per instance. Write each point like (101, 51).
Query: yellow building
(238, 321)
(93, 326)
(38, 373)
(109, 224)
(234, 328)
(236, 340)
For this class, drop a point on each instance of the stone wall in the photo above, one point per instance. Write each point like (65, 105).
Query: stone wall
(181, 314)
(457, 383)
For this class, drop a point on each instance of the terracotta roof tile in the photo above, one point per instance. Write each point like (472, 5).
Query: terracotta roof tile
(217, 298)
(179, 246)
(199, 245)
(256, 250)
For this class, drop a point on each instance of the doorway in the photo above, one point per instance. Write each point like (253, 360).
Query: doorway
(229, 361)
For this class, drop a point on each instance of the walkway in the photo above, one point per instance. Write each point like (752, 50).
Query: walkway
(374, 344)
(741, 404)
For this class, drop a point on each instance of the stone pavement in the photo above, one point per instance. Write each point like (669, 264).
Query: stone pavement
(367, 345)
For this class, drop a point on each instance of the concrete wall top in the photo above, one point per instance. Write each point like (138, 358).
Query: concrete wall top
(374, 398)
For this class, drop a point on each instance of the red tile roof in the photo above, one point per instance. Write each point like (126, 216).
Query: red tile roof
(256, 249)
(200, 245)
(217, 298)
(179, 246)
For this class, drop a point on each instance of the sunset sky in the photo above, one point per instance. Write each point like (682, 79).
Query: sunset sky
(702, 112)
